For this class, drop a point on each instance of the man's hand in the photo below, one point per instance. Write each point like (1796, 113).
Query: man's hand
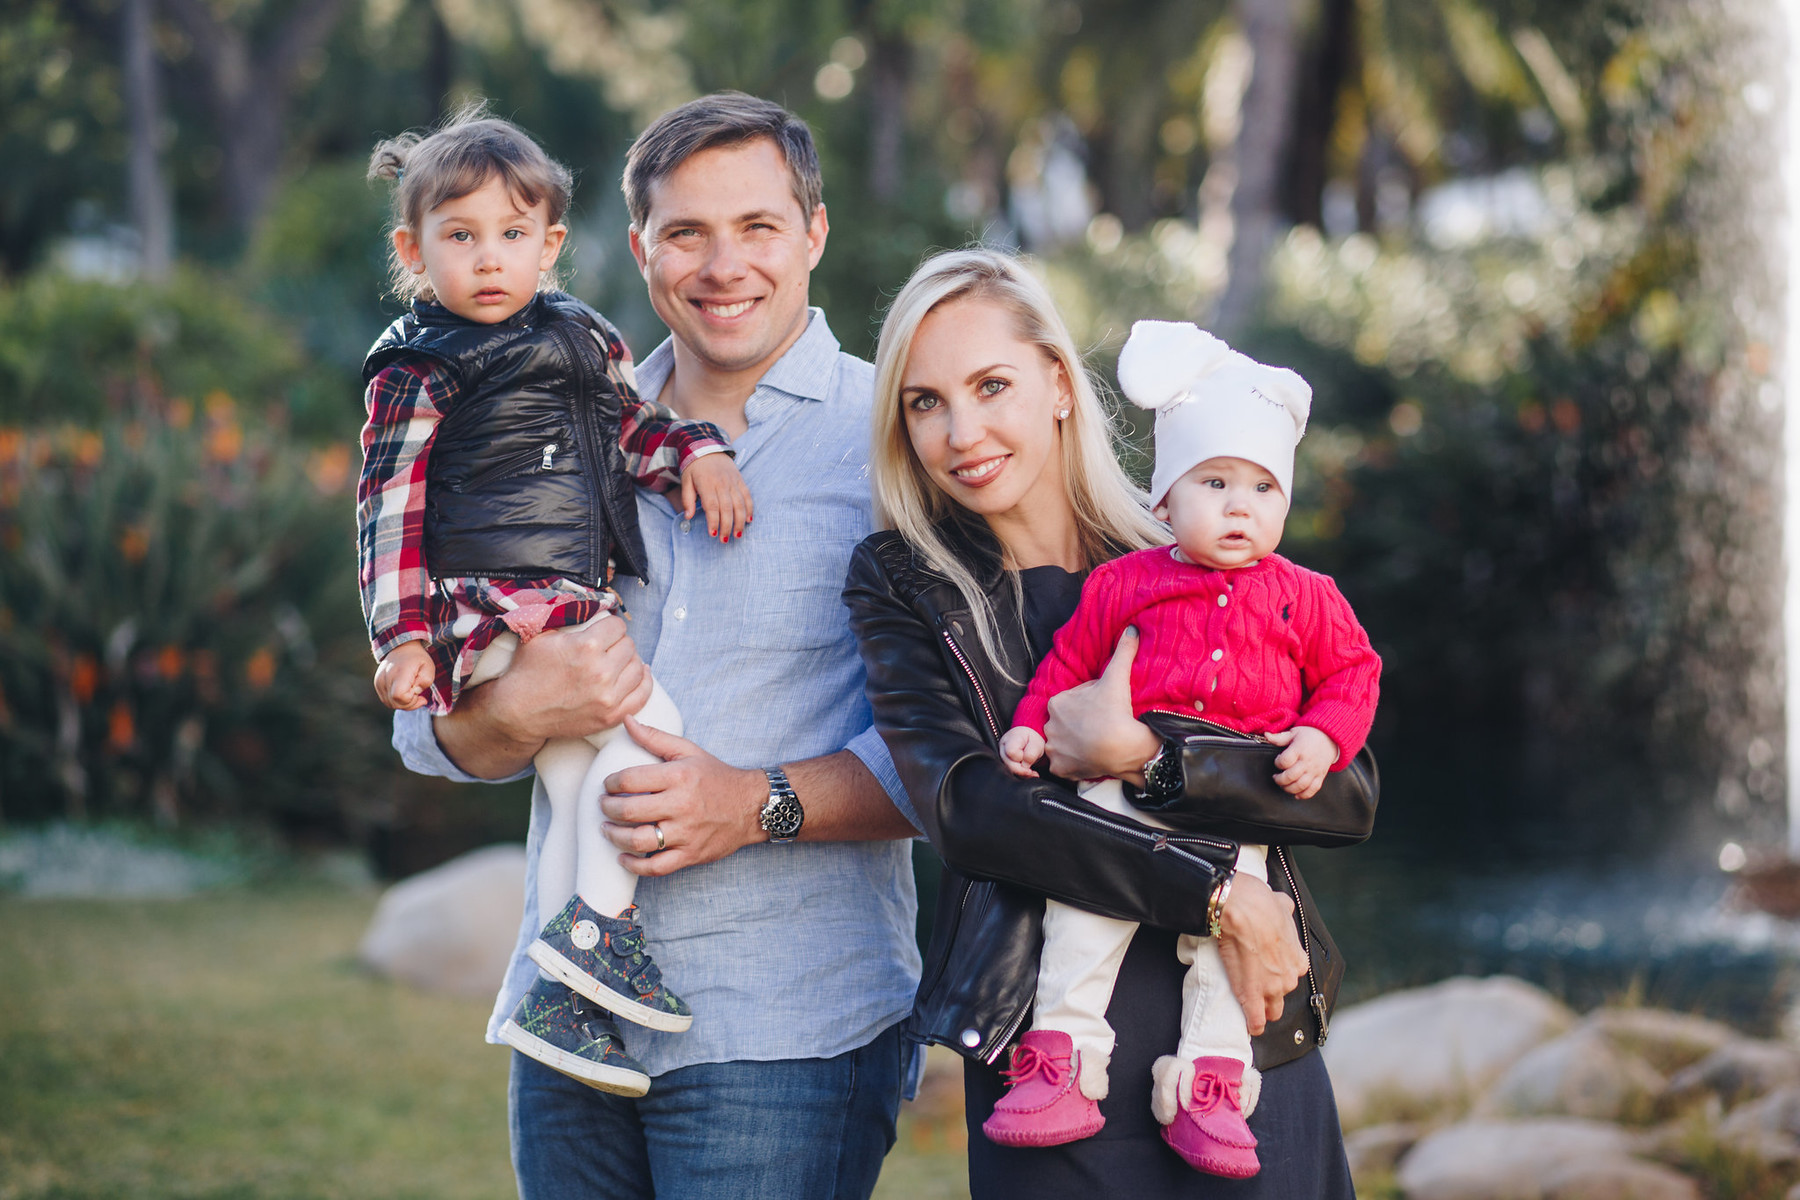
(404, 676)
(1304, 764)
(561, 683)
(714, 480)
(1260, 948)
(1021, 748)
(705, 808)
(1091, 730)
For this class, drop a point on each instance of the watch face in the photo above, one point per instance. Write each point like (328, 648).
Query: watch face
(781, 816)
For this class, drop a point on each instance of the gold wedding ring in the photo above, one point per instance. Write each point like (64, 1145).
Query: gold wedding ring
(662, 843)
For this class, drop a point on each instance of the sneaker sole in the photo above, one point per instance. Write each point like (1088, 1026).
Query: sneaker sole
(550, 959)
(616, 1080)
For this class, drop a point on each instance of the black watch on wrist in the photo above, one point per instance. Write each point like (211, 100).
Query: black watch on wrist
(1163, 776)
(781, 814)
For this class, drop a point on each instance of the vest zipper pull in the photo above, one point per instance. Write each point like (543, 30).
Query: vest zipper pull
(549, 452)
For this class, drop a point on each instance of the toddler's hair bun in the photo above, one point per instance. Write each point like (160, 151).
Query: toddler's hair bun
(1163, 360)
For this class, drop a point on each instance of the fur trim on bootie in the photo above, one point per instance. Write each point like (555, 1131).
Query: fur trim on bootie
(1090, 1074)
(1171, 1078)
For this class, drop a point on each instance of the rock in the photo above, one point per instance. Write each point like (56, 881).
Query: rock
(1667, 1041)
(1619, 1179)
(1374, 1149)
(1735, 1072)
(1418, 1051)
(1767, 1128)
(1506, 1160)
(1580, 1074)
(452, 928)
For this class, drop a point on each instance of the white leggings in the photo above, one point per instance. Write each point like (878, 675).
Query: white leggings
(1080, 963)
(576, 858)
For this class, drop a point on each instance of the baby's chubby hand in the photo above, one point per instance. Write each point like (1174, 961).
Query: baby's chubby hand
(404, 676)
(1304, 764)
(1021, 748)
(714, 480)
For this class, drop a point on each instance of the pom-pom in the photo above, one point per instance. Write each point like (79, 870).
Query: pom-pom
(1163, 360)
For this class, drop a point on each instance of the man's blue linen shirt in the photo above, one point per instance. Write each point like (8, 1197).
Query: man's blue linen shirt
(804, 950)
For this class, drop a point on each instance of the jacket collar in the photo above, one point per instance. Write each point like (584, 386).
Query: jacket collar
(431, 313)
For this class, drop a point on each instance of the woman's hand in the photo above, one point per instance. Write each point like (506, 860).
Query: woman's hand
(1260, 948)
(1091, 730)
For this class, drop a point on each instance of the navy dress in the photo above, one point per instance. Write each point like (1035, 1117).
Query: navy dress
(1295, 1122)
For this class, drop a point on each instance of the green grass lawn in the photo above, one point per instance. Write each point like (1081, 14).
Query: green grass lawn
(228, 1046)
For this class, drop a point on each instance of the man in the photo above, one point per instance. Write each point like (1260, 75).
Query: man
(797, 957)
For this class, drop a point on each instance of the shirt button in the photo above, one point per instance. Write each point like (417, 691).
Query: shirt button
(681, 613)
(1224, 600)
(685, 525)
(1218, 654)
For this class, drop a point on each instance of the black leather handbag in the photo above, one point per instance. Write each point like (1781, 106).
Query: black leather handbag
(1235, 772)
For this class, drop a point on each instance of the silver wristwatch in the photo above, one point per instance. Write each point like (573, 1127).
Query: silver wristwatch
(781, 814)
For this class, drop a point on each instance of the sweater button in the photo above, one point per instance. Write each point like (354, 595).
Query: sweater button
(1218, 654)
(1224, 600)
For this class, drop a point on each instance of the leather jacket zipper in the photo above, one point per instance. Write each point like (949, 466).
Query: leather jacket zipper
(589, 442)
(986, 709)
(1158, 841)
(1315, 997)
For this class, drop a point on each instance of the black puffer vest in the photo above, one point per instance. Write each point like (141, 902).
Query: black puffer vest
(526, 477)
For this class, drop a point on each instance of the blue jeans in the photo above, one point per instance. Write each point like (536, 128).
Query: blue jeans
(793, 1129)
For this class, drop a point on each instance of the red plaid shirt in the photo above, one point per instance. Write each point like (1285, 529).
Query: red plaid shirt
(401, 601)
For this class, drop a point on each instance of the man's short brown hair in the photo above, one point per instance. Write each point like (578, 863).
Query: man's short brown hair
(721, 119)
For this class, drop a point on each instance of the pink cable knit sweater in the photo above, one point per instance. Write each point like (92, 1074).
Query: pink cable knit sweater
(1258, 649)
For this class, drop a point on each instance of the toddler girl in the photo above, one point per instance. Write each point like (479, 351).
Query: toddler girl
(503, 442)
(1232, 633)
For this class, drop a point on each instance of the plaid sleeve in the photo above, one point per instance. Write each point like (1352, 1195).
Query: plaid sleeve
(658, 445)
(405, 402)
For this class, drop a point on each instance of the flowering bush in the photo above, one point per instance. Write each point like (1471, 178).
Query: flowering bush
(179, 633)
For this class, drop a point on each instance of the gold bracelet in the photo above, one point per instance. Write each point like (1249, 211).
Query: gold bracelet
(1215, 907)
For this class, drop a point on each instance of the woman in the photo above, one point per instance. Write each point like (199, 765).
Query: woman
(996, 483)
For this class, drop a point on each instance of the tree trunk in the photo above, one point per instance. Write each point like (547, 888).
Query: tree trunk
(250, 89)
(890, 68)
(1261, 150)
(152, 210)
(1330, 52)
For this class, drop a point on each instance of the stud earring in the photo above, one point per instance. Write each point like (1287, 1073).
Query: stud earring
(1062, 414)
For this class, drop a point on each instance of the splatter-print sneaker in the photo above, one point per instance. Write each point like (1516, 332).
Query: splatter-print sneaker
(606, 960)
(559, 1029)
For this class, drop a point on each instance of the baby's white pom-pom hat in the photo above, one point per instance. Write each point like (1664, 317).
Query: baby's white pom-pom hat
(1212, 402)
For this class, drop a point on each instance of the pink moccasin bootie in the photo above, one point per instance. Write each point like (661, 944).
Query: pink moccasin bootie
(1043, 1105)
(1209, 1131)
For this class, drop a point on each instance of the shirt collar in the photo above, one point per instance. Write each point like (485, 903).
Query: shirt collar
(805, 371)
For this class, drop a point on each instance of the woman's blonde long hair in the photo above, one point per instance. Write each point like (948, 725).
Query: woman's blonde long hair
(1111, 513)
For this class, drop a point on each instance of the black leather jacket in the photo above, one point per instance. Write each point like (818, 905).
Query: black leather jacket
(526, 477)
(1007, 843)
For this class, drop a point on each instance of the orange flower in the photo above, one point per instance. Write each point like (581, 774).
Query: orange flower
(134, 544)
(168, 662)
(121, 731)
(84, 677)
(224, 441)
(329, 468)
(10, 442)
(88, 448)
(259, 671)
